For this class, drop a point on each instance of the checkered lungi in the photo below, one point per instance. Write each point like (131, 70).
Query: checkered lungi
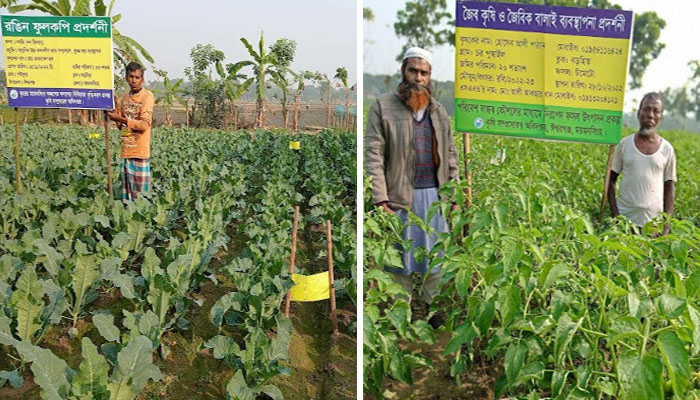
(136, 177)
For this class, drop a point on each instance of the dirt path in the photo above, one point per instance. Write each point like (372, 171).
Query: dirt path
(323, 365)
(437, 384)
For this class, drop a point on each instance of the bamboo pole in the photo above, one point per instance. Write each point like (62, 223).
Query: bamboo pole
(611, 150)
(108, 157)
(288, 300)
(467, 169)
(328, 122)
(331, 280)
(18, 170)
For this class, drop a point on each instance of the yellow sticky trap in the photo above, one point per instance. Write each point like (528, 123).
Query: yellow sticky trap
(93, 135)
(126, 131)
(295, 145)
(310, 287)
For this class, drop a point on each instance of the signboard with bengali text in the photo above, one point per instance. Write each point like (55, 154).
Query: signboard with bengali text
(541, 72)
(58, 62)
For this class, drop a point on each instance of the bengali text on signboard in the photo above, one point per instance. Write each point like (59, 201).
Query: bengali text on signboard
(58, 62)
(541, 71)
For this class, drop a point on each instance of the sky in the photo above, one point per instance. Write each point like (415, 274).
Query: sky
(325, 30)
(670, 69)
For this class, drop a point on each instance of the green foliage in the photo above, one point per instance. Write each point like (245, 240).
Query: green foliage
(424, 24)
(91, 379)
(208, 93)
(645, 45)
(273, 61)
(367, 14)
(341, 74)
(284, 51)
(64, 241)
(568, 305)
(170, 94)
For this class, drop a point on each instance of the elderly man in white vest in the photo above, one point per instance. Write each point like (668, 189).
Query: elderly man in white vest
(647, 164)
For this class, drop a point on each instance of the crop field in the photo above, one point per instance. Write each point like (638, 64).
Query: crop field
(177, 295)
(542, 300)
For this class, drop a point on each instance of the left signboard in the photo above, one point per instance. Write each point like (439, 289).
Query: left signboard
(58, 62)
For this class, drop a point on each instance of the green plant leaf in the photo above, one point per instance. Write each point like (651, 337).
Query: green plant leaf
(16, 380)
(563, 334)
(134, 368)
(675, 356)
(484, 319)
(513, 363)
(238, 389)
(640, 378)
(6, 337)
(670, 306)
(84, 276)
(510, 300)
(28, 313)
(222, 346)
(50, 372)
(463, 281)
(105, 325)
(695, 326)
(400, 316)
(273, 391)
(624, 327)
(91, 379)
(464, 333)
(225, 302)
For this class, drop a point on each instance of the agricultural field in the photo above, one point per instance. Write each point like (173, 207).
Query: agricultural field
(542, 300)
(179, 294)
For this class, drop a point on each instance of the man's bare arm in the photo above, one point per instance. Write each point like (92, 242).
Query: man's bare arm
(669, 196)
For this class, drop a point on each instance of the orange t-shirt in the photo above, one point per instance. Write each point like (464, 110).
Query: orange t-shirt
(138, 110)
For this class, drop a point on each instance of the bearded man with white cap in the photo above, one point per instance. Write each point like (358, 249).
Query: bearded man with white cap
(409, 154)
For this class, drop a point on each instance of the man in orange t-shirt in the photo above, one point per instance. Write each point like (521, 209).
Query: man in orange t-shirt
(134, 118)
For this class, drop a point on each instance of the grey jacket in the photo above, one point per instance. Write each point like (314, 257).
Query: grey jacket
(389, 151)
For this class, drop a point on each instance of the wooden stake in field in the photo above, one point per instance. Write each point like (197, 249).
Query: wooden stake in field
(328, 121)
(18, 171)
(611, 151)
(467, 169)
(108, 156)
(288, 300)
(331, 281)
(316, 292)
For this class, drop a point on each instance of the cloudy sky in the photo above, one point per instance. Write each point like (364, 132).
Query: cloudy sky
(669, 70)
(325, 30)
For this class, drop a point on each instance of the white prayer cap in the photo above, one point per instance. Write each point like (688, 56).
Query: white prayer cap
(420, 53)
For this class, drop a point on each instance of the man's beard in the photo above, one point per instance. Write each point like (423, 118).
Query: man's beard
(414, 96)
(647, 132)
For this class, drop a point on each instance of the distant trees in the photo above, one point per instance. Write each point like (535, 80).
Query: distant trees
(273, 61)
(169, 95)
(209, 108)
(341, 74)
(685, 101)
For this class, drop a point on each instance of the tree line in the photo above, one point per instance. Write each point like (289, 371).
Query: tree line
(212, 88)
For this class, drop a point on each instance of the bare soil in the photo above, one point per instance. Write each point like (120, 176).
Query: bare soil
(478, 383)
